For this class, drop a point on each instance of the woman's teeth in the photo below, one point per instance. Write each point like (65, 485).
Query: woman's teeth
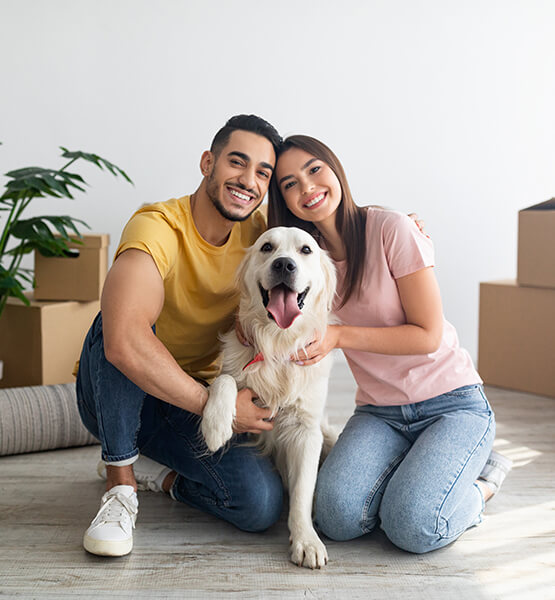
(315, 200)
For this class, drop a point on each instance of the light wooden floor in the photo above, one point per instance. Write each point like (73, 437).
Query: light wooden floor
(47, 500)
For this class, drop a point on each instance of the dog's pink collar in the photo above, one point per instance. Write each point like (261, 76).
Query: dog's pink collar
(256, 359)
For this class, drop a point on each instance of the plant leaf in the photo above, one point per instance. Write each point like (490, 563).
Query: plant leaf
(26, 172)
(35, 182)
(54, 184)
(36, 234)
(10, 286)
(97, 160)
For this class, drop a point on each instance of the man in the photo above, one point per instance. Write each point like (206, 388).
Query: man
(148, 356)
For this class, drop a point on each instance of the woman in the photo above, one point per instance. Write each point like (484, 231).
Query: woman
(411, 454)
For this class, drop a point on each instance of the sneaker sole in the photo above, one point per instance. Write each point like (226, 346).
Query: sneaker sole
(107, 548)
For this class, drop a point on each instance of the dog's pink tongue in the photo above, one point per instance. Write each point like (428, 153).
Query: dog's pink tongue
(283, 306)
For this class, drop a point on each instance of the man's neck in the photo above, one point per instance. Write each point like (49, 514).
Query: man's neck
(212, 226)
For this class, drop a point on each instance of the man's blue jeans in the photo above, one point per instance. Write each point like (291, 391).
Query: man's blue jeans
(239, 485)
(412, 469)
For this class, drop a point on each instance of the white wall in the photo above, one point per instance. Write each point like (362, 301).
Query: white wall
(441, 107)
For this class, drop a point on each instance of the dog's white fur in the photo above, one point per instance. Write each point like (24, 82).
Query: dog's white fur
(296, 394)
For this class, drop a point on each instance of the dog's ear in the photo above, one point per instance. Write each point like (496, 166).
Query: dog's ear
(240, 273)
(330, 278)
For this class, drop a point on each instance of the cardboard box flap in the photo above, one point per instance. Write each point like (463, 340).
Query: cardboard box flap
(547, 205)
(92, 240)
(33, 303)
(79, 276)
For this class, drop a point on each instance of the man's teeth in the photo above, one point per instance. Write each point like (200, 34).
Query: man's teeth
(239, 195)
(315, 200)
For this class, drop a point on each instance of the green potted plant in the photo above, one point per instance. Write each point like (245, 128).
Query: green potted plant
(49, 234)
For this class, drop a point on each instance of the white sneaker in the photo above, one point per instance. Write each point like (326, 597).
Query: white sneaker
(111, 532)
(495, 470)
(148, 473)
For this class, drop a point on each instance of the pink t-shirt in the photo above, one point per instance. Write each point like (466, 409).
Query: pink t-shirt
(395, 248)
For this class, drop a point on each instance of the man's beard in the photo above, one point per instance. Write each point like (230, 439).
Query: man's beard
(212, 193)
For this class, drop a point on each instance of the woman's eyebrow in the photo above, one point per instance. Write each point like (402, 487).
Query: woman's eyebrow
(305, 166)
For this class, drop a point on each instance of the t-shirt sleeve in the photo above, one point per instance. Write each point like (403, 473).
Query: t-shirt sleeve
(407, 249)
(150, 232)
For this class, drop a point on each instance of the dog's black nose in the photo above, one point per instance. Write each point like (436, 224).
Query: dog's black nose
(284, 265)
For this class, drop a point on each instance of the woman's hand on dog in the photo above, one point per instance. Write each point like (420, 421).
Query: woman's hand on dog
(318, 348)
(250, 418)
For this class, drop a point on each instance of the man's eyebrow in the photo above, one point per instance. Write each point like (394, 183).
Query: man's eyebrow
(247, 158)
(242, 155)
(305, 166)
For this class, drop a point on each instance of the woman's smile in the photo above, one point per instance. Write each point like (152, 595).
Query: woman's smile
(315, 200)
(310, 188)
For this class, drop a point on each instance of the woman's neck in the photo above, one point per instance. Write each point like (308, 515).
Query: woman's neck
(334, 243)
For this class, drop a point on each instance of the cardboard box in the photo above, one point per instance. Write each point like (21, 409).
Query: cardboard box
(39, 344)
(517, 337)
(74, 278)
(536, 245)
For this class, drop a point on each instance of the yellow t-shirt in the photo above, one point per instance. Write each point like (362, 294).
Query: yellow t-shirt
(199, 279)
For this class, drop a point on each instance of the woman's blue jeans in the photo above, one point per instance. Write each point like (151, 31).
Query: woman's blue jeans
(411, 468)
(238, 485)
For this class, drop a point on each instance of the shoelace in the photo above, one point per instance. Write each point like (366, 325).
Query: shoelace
(151, 485)
(147, 482)
(114, 507)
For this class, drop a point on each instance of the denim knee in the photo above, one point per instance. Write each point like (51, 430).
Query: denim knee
(337, 514)
(410, 527)
(259, 505)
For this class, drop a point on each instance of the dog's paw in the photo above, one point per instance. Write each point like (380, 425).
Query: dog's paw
(216, 436)
(218, 415)
(309, 551)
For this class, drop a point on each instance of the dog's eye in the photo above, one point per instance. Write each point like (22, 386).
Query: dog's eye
(306, 250)
(267, 247)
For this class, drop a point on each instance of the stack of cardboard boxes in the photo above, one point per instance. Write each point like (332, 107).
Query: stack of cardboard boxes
(517, 318)
(40, 343)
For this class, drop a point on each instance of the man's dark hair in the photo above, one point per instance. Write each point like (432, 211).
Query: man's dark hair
(250, 123)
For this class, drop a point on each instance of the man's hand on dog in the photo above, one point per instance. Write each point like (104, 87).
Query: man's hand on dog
(419, 223)
(249, 417)
(240, 334)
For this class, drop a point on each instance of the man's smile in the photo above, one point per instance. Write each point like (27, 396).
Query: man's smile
(242, 196)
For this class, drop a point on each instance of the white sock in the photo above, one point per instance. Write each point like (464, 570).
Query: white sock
(160, 479)
(495, 470)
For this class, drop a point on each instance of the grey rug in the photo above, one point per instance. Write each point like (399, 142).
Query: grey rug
(40, 418)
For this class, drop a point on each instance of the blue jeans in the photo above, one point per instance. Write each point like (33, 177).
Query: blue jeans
(239, 485)
(411, 468)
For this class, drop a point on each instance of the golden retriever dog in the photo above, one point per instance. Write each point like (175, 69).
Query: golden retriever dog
(287, 284)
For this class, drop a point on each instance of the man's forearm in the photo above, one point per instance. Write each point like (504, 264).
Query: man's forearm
(146, 362)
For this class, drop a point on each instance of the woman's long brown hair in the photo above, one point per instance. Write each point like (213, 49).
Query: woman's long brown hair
(350, 219)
